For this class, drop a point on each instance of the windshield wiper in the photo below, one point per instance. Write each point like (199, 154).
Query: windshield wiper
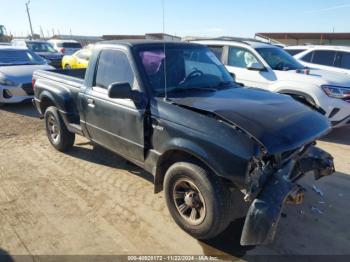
(193, 88)
(225, 84)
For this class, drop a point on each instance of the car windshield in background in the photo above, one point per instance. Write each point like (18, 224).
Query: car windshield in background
(41, 47)
(187, 69)
(278, 59)
(70, 45)
(19, 57)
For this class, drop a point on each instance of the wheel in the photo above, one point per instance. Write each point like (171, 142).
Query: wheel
(198, 201)
(56, 130)
(67, 67)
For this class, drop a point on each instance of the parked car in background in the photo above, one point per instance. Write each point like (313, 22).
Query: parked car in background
(16, 71)
(333, 58)
(173, 109)
(41, 48)
(265, 66)
(79, 59)
(65, 47)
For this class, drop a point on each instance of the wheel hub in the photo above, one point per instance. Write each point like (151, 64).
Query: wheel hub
(53, 128)
(189, 201)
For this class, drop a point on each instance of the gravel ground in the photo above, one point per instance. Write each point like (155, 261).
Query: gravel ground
(92, 202)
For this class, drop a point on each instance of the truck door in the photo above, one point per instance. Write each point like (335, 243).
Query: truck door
(116, 124)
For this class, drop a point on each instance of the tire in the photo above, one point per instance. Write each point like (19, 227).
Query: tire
(56, 130)
(67, 67)
(212, 192)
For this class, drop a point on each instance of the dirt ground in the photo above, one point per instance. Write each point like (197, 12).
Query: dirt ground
(92, 202)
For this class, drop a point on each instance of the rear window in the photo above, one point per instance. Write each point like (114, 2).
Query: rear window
(345, 60)
(324, 57)
(69, 45)
(294, 52)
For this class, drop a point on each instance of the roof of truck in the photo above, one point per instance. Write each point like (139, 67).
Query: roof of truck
(139, 42)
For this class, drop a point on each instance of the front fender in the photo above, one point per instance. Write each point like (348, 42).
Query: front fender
(193, 149)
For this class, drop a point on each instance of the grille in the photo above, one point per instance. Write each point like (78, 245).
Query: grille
(28, 88)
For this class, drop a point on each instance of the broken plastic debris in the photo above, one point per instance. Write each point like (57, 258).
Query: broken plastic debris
(316, 210)
(317, 190)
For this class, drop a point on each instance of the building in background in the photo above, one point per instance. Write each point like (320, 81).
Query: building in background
(149, 36)
(342, 39)
(84, 40)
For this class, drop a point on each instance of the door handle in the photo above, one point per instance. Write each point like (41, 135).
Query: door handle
(91, 102)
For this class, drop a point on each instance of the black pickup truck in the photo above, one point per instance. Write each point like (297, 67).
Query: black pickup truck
(219, 151)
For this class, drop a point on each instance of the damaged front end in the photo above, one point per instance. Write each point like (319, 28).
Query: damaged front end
(271, 183)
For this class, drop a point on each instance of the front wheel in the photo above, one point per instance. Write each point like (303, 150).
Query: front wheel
(198, 201)
(56, 130)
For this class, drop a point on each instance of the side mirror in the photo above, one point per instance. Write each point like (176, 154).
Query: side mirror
(256, 67)
(120, 90)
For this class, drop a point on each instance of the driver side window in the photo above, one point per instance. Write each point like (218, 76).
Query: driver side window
(240, 57)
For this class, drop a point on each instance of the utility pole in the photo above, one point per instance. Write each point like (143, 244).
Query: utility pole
(30, 20)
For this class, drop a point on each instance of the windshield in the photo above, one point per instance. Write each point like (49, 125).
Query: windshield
(20, 57)
(278, 59)
(40, 47)
(187, 68)
(69, 45)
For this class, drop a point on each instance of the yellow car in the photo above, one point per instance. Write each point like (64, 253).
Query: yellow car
(79, 59)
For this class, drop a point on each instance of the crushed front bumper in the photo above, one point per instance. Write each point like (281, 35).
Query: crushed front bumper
(265, 211)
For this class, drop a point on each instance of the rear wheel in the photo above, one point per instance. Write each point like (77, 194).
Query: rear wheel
(56, 130)
(67, 67)
(198, 201)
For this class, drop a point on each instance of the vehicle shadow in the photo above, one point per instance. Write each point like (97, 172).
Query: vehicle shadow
(227, 244)
(25, 109)
(339, 136)
(317, 227)
(101, 156)
(5, 256)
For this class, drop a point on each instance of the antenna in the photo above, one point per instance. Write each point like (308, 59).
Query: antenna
(164, 49)
(30, 20)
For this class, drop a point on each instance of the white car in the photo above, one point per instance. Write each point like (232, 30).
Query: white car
(265, 66)
(65, 47)
(333, 58)
(16, 72)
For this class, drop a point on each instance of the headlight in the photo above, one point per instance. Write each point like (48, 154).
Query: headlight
(336, 91)
(6, 82)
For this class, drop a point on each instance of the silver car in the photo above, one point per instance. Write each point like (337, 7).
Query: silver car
(16, 71)
(65, 47)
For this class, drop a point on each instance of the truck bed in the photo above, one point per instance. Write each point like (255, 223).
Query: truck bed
(73, 77)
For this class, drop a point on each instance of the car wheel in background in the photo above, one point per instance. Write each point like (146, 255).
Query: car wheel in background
(56, 130)
(67, 67)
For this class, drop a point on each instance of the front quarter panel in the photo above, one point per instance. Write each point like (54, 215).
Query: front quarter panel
(222, 148)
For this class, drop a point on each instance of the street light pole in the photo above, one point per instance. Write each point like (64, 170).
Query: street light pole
(30, 20)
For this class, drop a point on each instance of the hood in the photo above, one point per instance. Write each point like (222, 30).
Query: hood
(316, 76)
(278, 122)
(21, 73)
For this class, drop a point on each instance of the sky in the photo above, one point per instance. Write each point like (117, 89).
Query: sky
(182, 17)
